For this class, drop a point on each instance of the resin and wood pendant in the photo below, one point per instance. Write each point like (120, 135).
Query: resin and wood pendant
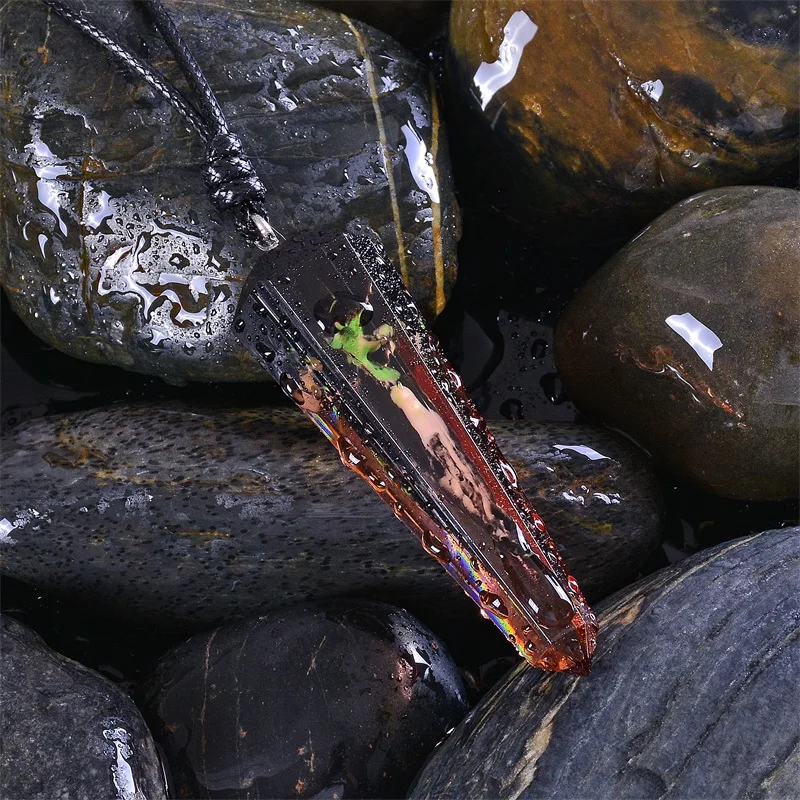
(330, 319)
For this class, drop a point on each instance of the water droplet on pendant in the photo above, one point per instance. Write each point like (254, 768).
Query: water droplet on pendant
(239, 325)
(493, 603)
(265, 353)
(509, 473)
(291, 387)
(435, 547)
(454, 378)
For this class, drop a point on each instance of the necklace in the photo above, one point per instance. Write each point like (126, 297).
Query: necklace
(328, 316)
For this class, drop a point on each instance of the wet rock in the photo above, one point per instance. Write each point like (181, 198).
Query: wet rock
(583, 121)
(349, 696)
(415, 23)
(186, 515)
(689, 694)
(688, 340)
(113, 252)
(67, 732)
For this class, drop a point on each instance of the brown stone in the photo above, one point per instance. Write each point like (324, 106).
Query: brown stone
(619, 109)
(688, 340)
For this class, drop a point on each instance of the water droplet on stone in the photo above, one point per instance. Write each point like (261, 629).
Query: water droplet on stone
(553, 388)
(512, 409)
(539, 349)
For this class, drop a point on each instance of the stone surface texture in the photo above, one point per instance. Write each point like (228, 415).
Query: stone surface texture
(67, 732)
(111, 249)
(692, 694)
(186, 515)
(348, 695)
(689, 340)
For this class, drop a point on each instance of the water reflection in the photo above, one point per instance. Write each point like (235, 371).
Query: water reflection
(583, 449)
(700, 337)
(102, 209)
(653, 89)
(420, 162)
(490, 78)
(47, 170)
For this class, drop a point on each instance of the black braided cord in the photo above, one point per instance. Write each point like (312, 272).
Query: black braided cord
(231, 180)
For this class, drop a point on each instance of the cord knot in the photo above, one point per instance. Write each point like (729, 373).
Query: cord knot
(233, 183)
(230, 177)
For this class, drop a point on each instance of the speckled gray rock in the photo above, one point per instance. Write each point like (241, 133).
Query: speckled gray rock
(112, 251)
(67, 732)
(693, 693)
(345, 694)
(181, 514)
(689, 340)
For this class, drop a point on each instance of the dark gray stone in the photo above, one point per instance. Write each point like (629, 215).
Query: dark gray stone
(113, 252)
(689, 340)
(186, 515)
(347, 694)
(67, 732)
(693, 693)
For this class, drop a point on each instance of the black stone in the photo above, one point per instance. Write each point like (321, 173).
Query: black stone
(415, 23)
(692, 694)
(184, 515)
(349, 695)
(67, 732)
(113, 252)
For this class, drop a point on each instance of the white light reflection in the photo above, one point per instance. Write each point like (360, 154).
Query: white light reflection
(121, 772)
(699, 337)
(490, 78)
(103, 210)
(559, 591)
(653, 89)
(6, 526)
(592, 455)
(420, 162)
(47, 170)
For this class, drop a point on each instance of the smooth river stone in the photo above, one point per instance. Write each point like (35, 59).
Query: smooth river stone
(67, 732)
(187, 515)
(112, 251)
(344, 699)
(692, 694)
(582, 121)
(689, 340)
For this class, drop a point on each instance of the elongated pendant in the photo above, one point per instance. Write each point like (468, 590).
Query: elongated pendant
(329, 317)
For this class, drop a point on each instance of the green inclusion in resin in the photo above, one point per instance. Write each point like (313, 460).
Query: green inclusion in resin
(357, 345)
